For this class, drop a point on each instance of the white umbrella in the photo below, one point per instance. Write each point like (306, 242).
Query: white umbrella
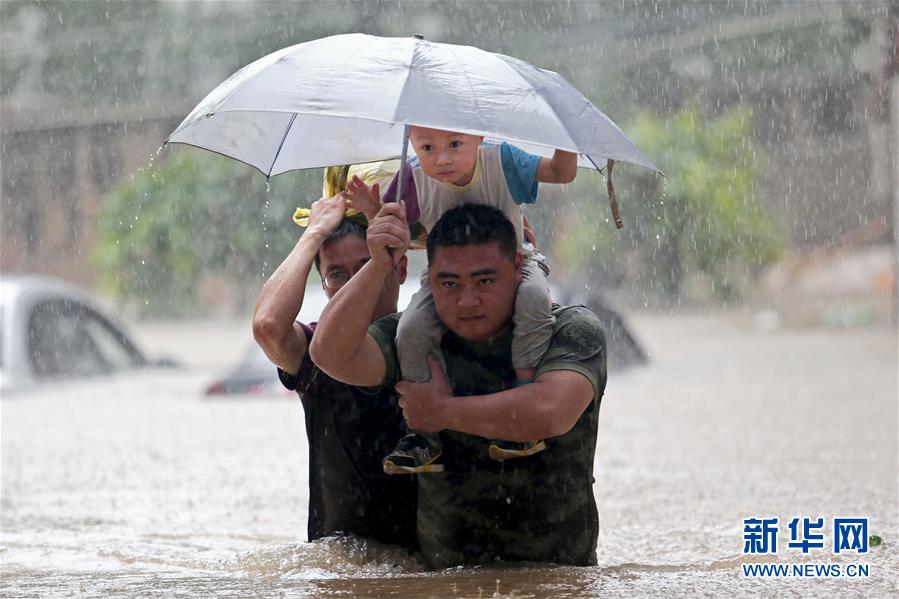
(348, 98)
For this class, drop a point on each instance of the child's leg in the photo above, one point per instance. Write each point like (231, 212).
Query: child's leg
(414, 454)
(533, 320)
(418, 334)
(531, 337)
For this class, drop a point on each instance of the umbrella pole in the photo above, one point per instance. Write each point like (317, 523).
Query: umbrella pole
(402, 171)
(401, 174)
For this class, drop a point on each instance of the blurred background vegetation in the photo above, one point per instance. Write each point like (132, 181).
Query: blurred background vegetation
(701, 219)
(768, 118)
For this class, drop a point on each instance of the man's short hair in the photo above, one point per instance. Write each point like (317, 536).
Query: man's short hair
(473, 224)
(348, 226)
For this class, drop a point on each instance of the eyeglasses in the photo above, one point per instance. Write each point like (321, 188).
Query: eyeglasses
(336, 279)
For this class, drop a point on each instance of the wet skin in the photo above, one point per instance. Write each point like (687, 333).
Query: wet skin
(341, 259)
(474, 288)
(445, 155)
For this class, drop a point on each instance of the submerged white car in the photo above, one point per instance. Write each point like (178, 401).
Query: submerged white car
(51, 330)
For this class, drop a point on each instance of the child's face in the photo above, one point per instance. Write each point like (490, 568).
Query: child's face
(445, 155)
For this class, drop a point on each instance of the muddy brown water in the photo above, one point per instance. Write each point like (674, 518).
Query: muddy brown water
(139, 486)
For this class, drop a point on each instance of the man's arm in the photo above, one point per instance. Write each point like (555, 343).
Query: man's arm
(274, 319)
(548, 407)
(342, 347)
(561, 168)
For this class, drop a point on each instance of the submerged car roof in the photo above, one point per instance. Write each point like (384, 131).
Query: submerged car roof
(18, 285)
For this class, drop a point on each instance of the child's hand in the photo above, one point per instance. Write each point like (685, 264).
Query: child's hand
(363, 198)
(529, 232)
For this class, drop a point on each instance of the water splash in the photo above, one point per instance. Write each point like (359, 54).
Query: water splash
(327, 558)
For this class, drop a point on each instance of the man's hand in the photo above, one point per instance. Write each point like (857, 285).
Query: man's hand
(422, 403)
(326, 214)
(363, 198)
(388, 235)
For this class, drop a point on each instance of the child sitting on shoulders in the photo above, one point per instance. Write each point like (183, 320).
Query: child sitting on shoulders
(453, 168)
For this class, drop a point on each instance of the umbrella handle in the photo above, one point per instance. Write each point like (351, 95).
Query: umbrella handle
(613, 201)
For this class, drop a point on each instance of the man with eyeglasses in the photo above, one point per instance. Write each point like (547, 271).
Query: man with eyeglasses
(349, 430)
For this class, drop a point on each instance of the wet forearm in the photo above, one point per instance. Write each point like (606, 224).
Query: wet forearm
(561, 168)
(564, 165)
(545, 408)
(340, 346)
(282, 295)
(280, 301)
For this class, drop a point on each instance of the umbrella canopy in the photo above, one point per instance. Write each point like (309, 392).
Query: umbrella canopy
(346, 99)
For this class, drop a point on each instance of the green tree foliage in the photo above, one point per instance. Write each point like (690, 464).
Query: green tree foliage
(702, 218)
(194, 215)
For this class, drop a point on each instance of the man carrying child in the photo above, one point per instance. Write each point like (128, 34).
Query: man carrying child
(480, 510)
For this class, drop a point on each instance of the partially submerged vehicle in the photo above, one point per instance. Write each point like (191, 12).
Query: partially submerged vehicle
(624, 349)
(51, 330)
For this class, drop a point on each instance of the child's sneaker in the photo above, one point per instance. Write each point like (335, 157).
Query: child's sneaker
(506, 450)
(413, 455)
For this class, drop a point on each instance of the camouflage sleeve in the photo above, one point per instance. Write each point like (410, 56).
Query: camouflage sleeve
(578, 344)
(383, 331)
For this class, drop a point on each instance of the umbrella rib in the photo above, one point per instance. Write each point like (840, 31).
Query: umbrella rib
(405, 84)
(568, 132)
(474, 96)
(561, 122)
(228, 156)
(293, 117)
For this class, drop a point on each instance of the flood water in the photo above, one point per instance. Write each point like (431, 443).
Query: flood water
(139, 486)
